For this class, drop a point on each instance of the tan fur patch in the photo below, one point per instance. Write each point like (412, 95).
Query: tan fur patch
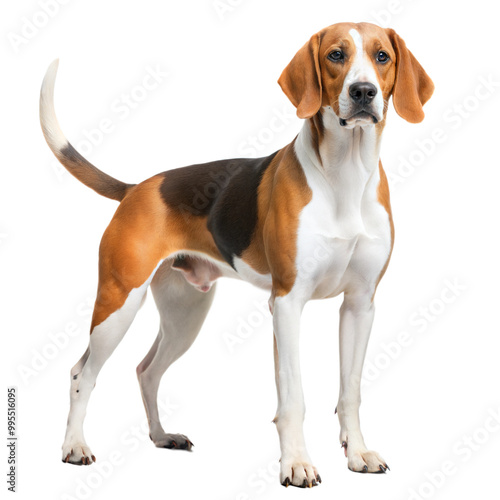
(142, 232)
(282, 195)
(384, 199)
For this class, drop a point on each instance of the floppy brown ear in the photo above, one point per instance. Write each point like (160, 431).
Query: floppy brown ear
(412, 87)
(301, 79)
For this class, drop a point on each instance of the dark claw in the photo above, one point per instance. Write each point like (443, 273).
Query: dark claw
(387, 467)
(365, 468)
(93, 458)
(67, 458)
(304, 484)
(344, 445)
(188, 445)
(83, 460)
(184, 444)
(318, 477)
(286, 482)
(382, 468)
(314, 483)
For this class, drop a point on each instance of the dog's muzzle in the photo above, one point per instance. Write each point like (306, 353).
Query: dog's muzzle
(363, 114)
(362, 95)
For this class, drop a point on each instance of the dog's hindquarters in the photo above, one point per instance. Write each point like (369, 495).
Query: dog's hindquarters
(141, 240)
(131, 251)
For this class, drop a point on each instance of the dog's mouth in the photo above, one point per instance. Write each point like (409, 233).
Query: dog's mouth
(360, 116)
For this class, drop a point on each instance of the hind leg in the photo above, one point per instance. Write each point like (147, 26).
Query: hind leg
(104, 338)
(182, 309)
(125, 272)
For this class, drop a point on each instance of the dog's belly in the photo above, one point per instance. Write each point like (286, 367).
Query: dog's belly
(201, 271)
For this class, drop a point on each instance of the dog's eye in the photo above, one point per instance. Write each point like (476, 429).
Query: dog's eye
(382, 57)
(336, 55)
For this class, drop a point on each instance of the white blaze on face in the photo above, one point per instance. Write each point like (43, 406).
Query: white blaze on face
(361, 70)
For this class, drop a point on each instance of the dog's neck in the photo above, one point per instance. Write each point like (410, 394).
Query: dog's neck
(339, 152)
(341, 168)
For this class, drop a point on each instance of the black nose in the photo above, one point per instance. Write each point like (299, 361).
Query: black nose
(362, 92)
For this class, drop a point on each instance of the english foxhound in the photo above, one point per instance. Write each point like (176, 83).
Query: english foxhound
(310, 221)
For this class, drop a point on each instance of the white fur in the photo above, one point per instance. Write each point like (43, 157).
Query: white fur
(295, 462)
(344, 240)
(361, 70)
(50, 126)
(103, 341)
(249, 274)
(182, 311)
(344, 216)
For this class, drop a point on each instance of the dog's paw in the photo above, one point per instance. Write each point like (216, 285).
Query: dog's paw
(363, 460)
(300, 473)
(77, 453)
(173, 442)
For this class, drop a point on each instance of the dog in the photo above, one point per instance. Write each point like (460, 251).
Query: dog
(310, 221)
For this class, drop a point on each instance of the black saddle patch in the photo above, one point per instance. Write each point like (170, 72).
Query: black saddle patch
(226, 192)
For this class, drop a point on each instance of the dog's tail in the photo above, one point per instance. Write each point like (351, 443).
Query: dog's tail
(72, 160)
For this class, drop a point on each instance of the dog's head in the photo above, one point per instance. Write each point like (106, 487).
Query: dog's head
(354, 69)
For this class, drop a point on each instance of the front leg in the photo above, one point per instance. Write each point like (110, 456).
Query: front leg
(296, 466)
(356, 318)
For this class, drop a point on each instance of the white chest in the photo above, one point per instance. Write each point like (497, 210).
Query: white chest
(337, 253)
(344, 237)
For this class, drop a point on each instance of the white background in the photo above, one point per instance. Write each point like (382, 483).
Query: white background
(427, 404)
